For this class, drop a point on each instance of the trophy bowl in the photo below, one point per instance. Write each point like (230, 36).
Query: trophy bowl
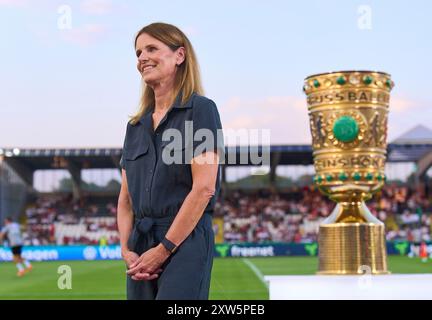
(348, 122)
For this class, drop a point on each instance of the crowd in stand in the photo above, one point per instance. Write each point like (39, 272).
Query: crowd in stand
(406, 213)
(295, 216)
(50, 212)
(261, 216)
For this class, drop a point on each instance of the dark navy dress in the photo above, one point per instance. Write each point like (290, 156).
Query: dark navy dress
(158, 188)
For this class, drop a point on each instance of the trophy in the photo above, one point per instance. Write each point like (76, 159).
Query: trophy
(348, 121)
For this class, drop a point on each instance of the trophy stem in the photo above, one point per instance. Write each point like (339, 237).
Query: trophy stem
(351, 212)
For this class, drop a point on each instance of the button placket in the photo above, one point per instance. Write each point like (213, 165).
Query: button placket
(151, 171)
(149, 180)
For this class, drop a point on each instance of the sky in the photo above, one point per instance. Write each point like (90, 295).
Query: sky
(68, 69)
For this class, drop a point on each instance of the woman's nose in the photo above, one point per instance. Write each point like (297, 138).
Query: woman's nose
(143, 57)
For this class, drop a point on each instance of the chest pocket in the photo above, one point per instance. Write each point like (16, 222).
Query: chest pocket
(135, 151)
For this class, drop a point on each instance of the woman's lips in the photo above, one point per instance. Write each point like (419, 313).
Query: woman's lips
(146, 68)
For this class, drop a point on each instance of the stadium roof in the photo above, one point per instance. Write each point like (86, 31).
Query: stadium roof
(407, 152)
(105, 158)
(41, 159)
(409, 147)
(417, 135)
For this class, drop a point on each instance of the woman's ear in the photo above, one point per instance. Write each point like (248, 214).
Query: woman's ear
(181, 56)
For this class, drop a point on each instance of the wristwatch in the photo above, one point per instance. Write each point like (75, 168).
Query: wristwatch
(171, 247)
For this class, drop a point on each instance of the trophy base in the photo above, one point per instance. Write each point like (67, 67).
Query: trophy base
(352, 248)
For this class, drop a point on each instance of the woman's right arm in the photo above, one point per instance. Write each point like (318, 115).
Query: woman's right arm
(125, 218)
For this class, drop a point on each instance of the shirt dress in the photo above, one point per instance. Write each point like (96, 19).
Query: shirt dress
(158, 189)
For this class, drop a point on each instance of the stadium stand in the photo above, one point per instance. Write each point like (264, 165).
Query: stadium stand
(257, 216)
(295, 216)
(61, 220)
(273, 214)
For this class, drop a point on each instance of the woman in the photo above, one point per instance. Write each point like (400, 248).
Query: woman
(165, 207)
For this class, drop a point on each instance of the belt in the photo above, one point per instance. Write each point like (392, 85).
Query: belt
(142, 237)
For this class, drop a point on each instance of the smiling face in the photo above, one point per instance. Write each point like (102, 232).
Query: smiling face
(157, 62)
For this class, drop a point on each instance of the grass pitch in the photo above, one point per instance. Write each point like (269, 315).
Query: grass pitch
(232, 278)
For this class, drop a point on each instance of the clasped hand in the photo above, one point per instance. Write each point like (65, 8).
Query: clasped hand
(148, 265)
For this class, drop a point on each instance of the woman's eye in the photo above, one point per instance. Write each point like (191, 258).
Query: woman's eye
(151, 49)
(138, 53)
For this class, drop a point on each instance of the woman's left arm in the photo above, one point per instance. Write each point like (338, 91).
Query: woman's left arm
(204, 174)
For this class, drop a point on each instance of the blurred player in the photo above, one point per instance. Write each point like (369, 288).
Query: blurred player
(12, 231)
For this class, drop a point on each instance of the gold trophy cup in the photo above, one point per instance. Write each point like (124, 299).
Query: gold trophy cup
(348, 121)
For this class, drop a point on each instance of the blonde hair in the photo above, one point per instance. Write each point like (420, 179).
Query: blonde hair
(187, 78)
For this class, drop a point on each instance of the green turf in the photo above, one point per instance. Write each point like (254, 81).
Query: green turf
(232, 278)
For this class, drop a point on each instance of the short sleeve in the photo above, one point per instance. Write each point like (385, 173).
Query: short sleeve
(122, 161)
(207, 128)
(122, 165)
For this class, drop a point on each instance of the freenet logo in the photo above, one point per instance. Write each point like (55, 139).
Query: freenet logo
(264, 251)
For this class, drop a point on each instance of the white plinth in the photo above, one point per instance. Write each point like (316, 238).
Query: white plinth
(317, 287)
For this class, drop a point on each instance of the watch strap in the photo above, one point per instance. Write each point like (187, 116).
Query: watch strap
(171, 247)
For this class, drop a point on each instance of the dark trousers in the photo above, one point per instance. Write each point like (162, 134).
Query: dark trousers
(186, 273)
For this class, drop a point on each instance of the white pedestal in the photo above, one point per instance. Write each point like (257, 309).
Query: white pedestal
(371, 287)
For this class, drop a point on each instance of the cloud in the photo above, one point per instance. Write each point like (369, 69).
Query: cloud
(286, 117)
(402, 104)
(84, 35)
(233, 103)
(273, 102)
(97, 7)
(405, 113)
